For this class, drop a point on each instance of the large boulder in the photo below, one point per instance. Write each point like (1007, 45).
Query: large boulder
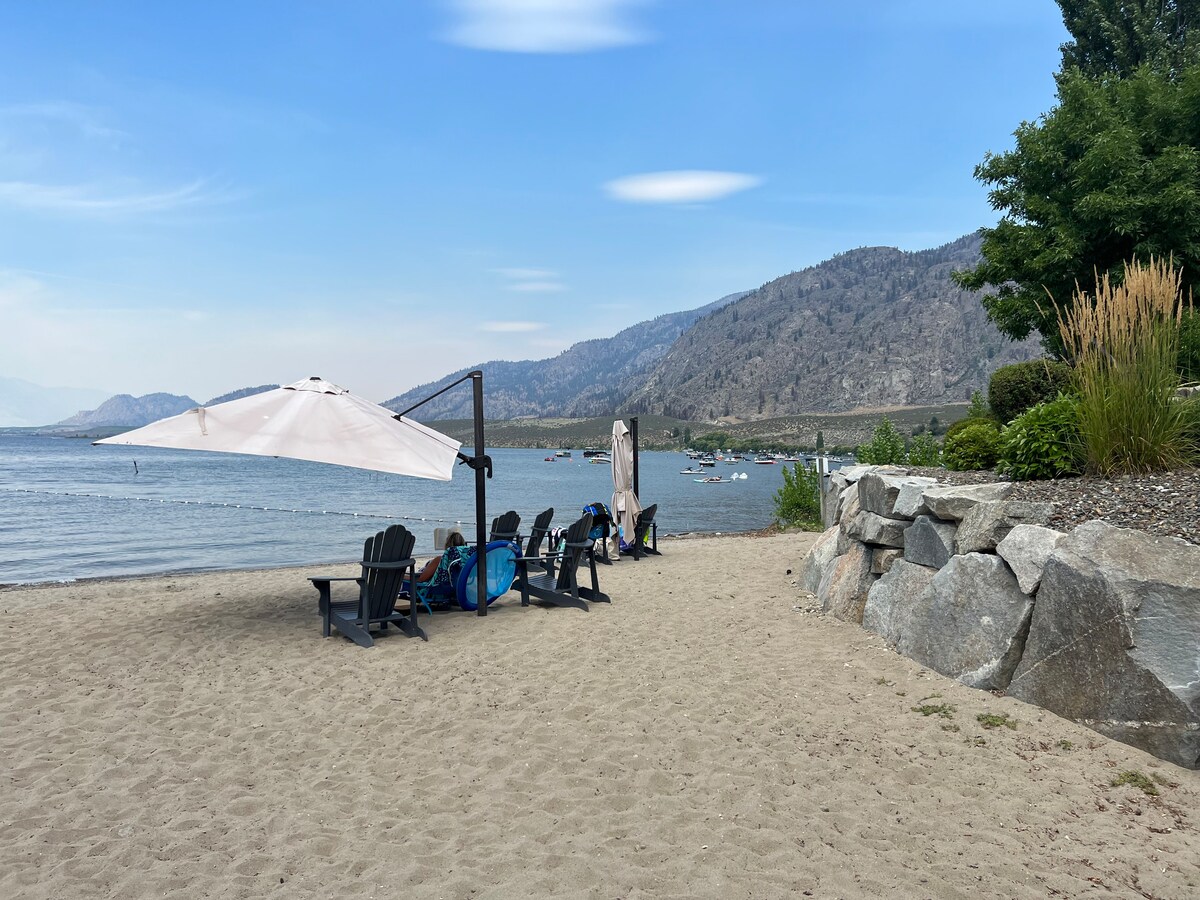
(872, 529)
(883, 558)
(910, 499)
(892, 597)
(845, 583)
(953, 501)
(987, 523)
(879, 490)
(929, 541)
(1026, 549)
(812, 567)
(970, 623)
(847, 506)
(1115, 639)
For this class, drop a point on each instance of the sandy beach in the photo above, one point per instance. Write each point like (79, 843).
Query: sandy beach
(709, 734)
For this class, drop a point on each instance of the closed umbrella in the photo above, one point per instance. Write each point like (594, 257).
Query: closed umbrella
(625, 503)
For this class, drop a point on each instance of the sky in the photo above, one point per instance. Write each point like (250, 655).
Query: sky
(197, 197)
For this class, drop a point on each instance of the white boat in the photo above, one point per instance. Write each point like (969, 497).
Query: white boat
(691, 471)
(600, 460)
(764, 460)
(711, 479)
(566, 453)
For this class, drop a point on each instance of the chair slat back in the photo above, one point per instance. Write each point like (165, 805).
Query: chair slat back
(577, 542)
(644, 521)
(538, 532)
(393, 544)
(504, 527)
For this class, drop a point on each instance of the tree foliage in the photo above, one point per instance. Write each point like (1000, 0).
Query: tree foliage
(885, 448)
(1116, 37)
(1111, 174)
(798, 502)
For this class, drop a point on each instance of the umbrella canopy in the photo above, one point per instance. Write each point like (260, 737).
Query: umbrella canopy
(311, 419)
(625, 504)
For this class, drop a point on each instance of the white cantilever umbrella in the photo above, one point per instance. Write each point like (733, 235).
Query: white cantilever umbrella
(625, 503)
(311, 419)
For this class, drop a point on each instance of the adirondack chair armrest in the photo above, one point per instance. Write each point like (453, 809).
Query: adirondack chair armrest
(551, 557)
(315, 579)
(399, 564)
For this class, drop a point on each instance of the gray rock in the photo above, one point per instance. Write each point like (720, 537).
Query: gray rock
(843, 541)
(882, 559)
(970, 623)
(1026, 549)
(988, 522)
(891, 598)
(879, 490)
(1115, 639)
(851, 474)
(953, 501)
(844, 586)
(872, 529)
(812, 567)
(929, 541)
(847, 504)
(910, 501)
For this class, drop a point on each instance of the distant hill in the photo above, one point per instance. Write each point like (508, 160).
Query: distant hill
(870, 328)
(24, 404)
(125, 409)
(590, 378)
(239, 394)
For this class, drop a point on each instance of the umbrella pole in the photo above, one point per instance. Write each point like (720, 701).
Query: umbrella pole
(480, 500)
(633, 434)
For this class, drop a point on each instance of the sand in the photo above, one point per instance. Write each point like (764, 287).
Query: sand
(709, 734)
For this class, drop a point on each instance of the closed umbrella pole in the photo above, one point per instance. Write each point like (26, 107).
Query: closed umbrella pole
(633, 433)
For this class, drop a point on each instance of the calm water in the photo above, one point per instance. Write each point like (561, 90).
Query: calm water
(188, 511)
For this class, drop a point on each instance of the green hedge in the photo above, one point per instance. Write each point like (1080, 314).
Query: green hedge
(1044, 442)
(974, 446)
(1021, 386)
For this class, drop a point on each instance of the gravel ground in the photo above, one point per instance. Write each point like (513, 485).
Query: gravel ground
(1167, 503)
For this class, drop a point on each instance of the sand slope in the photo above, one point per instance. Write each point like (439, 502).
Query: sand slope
(706, 735)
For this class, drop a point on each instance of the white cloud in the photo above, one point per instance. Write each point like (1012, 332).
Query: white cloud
(512, 327)
(543, 26)
(532, 281)
(85, 200)
(684, 186)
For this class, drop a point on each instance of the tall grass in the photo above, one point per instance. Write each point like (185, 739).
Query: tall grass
(1124, 344)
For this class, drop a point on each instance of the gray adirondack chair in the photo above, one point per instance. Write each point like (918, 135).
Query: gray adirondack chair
(559, 584)
(387, 563)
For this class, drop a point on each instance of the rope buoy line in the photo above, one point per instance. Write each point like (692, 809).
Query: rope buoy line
(214, 504)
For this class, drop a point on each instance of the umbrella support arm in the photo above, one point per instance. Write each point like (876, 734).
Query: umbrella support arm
(477, 462)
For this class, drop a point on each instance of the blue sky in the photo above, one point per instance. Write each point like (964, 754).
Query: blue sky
(195, 197)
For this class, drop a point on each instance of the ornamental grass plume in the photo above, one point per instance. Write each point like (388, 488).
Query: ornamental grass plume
(1124, 346)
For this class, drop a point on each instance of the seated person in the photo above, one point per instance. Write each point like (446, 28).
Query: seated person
(435, 582)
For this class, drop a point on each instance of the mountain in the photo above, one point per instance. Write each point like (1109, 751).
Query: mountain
(874, 327)
(24, 404)
(125, 409)
(240, 393)
(590, 378)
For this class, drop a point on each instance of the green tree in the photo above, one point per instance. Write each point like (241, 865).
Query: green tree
(798, 502)
(1111, 174)
(886, 446)
(1116, 37)
(820, 441)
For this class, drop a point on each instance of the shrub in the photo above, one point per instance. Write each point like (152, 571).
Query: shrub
(979, 408)
(885, 448)
(924, 451)
(972, 447)
(1043, 442)
(1189, 347)
(798, 502)
(1021, 386)
(1124, 342)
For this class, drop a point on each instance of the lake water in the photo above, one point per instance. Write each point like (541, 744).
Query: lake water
(71, 510)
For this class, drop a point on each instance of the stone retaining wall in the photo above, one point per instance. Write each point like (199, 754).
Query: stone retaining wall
(1100, 625)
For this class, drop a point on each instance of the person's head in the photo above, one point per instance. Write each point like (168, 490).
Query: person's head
(455, 539)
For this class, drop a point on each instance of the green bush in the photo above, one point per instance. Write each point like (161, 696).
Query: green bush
(798, 502)
(1021, 386)
(1044, 442)
(924, 451)
(972, 447)
(1189, 347)
(886, 447)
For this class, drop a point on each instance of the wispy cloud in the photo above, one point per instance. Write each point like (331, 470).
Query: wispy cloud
(87, 120)
(532, 281)
(93, 201)
(512, 327)
(684, 186)
(544, 26)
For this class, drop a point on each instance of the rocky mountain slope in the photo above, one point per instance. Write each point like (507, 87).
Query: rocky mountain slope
(591, 378)
(125, 409)
(874, 327)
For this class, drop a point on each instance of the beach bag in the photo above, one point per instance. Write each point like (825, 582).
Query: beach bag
(601, 520)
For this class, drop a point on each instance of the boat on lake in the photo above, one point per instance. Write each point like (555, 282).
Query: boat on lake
(600, 459)
(563, 453)
(764, 460)
(712, 479)
(690, 471)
